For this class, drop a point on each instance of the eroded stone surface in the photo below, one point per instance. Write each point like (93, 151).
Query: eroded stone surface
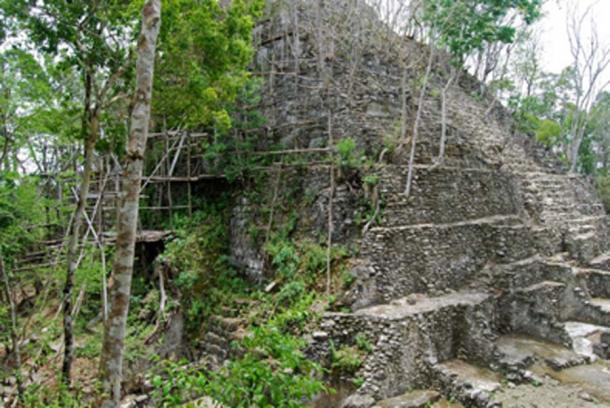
(421, 304)
(521, 351)
(412, 399)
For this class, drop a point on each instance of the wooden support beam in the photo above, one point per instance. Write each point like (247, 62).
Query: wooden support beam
(188, 174)
(179, 179)
(143, 236)
(164, 208)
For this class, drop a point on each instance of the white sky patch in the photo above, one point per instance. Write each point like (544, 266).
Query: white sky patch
(554, 37)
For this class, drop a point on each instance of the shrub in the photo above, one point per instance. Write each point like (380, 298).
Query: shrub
(348, 158)
(347, 359)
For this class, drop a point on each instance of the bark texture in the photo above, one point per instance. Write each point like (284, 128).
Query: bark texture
(111, 366)
(73, 245)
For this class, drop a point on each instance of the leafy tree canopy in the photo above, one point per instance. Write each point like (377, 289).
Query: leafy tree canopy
(204, 50)
(464, 26)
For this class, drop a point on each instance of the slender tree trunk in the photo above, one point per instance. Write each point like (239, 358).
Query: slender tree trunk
(331, 193)
(73, 245)
(8, 293)
(441, 151)
(420, 107)
(403, 102)
(578, 133)
(114, 328)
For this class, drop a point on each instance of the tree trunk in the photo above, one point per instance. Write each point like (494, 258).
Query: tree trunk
(578, 131)
(420, 107)
(73, 245)
(441, 151)
(111, 365)
(13, 328)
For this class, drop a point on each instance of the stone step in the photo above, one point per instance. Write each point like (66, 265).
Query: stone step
(588, 221)
(418, 304)
(589, 340)
(530, 271)
(469, 384)
(601, 303)
(551, 178)
(601, 262)
(536, 310)
(543, 286)
(213, 338)
(596, 281)
(216, 351)
(412, 399)
(517, 353)
(585, 247)
(502, 220)
(596, 311)
(581, 386)
(227, 323)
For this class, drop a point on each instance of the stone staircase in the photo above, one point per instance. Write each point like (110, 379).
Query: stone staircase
(221, 336)
(490, 283)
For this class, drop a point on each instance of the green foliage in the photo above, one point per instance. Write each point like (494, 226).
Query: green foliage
(305, 260)
(283, 257)
(349, 158)
(346, 148)
(347, 278)
(90, 349)
(198, 254)
(20, 208)
(313, 257)
(363, 344)
(231, 154)
(602, 183)
(204, 50)
(349, 358)
(464, 26)
(290, 293)
(358, 382)
(548, 132)
(41, 396)
(346, 360)
(371, 179)
(294, 318)
(272, 373)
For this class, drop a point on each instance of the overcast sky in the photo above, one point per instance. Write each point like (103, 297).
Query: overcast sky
(553, 31)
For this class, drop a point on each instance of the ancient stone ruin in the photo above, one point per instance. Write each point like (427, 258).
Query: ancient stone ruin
(490, 282)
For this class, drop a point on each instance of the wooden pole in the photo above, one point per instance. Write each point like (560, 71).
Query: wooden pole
(188, 171)
(168, 184)
(330, 207)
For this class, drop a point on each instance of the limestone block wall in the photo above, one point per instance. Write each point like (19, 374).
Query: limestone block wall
(446, 195)
(407, 342)
(435, 257)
